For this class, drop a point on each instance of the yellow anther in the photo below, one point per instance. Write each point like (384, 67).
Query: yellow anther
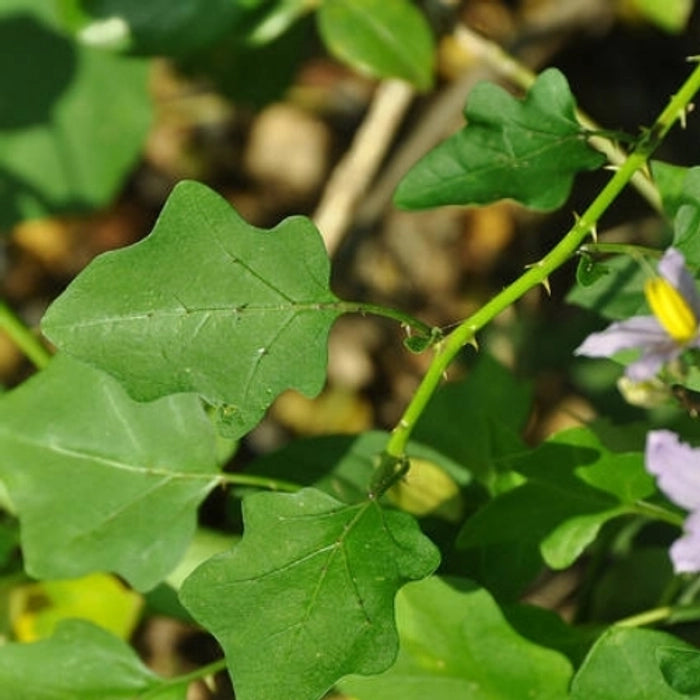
(671, 309)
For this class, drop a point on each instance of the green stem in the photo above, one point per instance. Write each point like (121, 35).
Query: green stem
(671, 614)
(537, 274)
(185, 679)
(650, 510)
(647, 617)
(263, 482)
(405, 319)
(23, 337)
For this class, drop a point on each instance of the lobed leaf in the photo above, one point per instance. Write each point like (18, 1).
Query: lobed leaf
(208, 304)
(625, 664)
(528, 150)
(100, 482)
(309, 592)
(385, 39)
(79, 661)
(574, 486)
(455, 643)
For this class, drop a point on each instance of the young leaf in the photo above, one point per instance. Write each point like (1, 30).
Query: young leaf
(386, 39)
(455, 643)
(100, 482)
(527, 150)
(79, 661)
(208, 304)
(624, 664)
(309, 592)
(65, 145)
(616, 295)
(574, 486)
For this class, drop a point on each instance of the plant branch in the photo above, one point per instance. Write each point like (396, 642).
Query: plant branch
(538, 273)
(23, 337)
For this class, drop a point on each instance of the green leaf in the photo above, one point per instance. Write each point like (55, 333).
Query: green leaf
(100, 482)
(309, 592)
(669, 179)
(680, 667)
(384, 39)
(79, 661)
(589, 271)
(207, 304)
(616, 295)
(613, 597)
(263, 71)
(156, 27)
(574, 486)
(624, 665)
(546, 628)
(670, 15)
(527, 150)
(686, 234)
(64, 144)
(455, 643)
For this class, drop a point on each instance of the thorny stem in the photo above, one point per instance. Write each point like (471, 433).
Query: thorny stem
(23, 337)
(537, 274)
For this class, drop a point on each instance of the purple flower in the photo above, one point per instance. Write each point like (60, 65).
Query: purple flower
(676, 467)
(675, 302)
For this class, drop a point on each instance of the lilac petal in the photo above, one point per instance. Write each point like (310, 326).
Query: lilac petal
(676, 466)
(672, 267)
(685, 551)
(647, 366)
(636, 332)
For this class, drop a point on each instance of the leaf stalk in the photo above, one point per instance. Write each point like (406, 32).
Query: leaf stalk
(23, 337)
